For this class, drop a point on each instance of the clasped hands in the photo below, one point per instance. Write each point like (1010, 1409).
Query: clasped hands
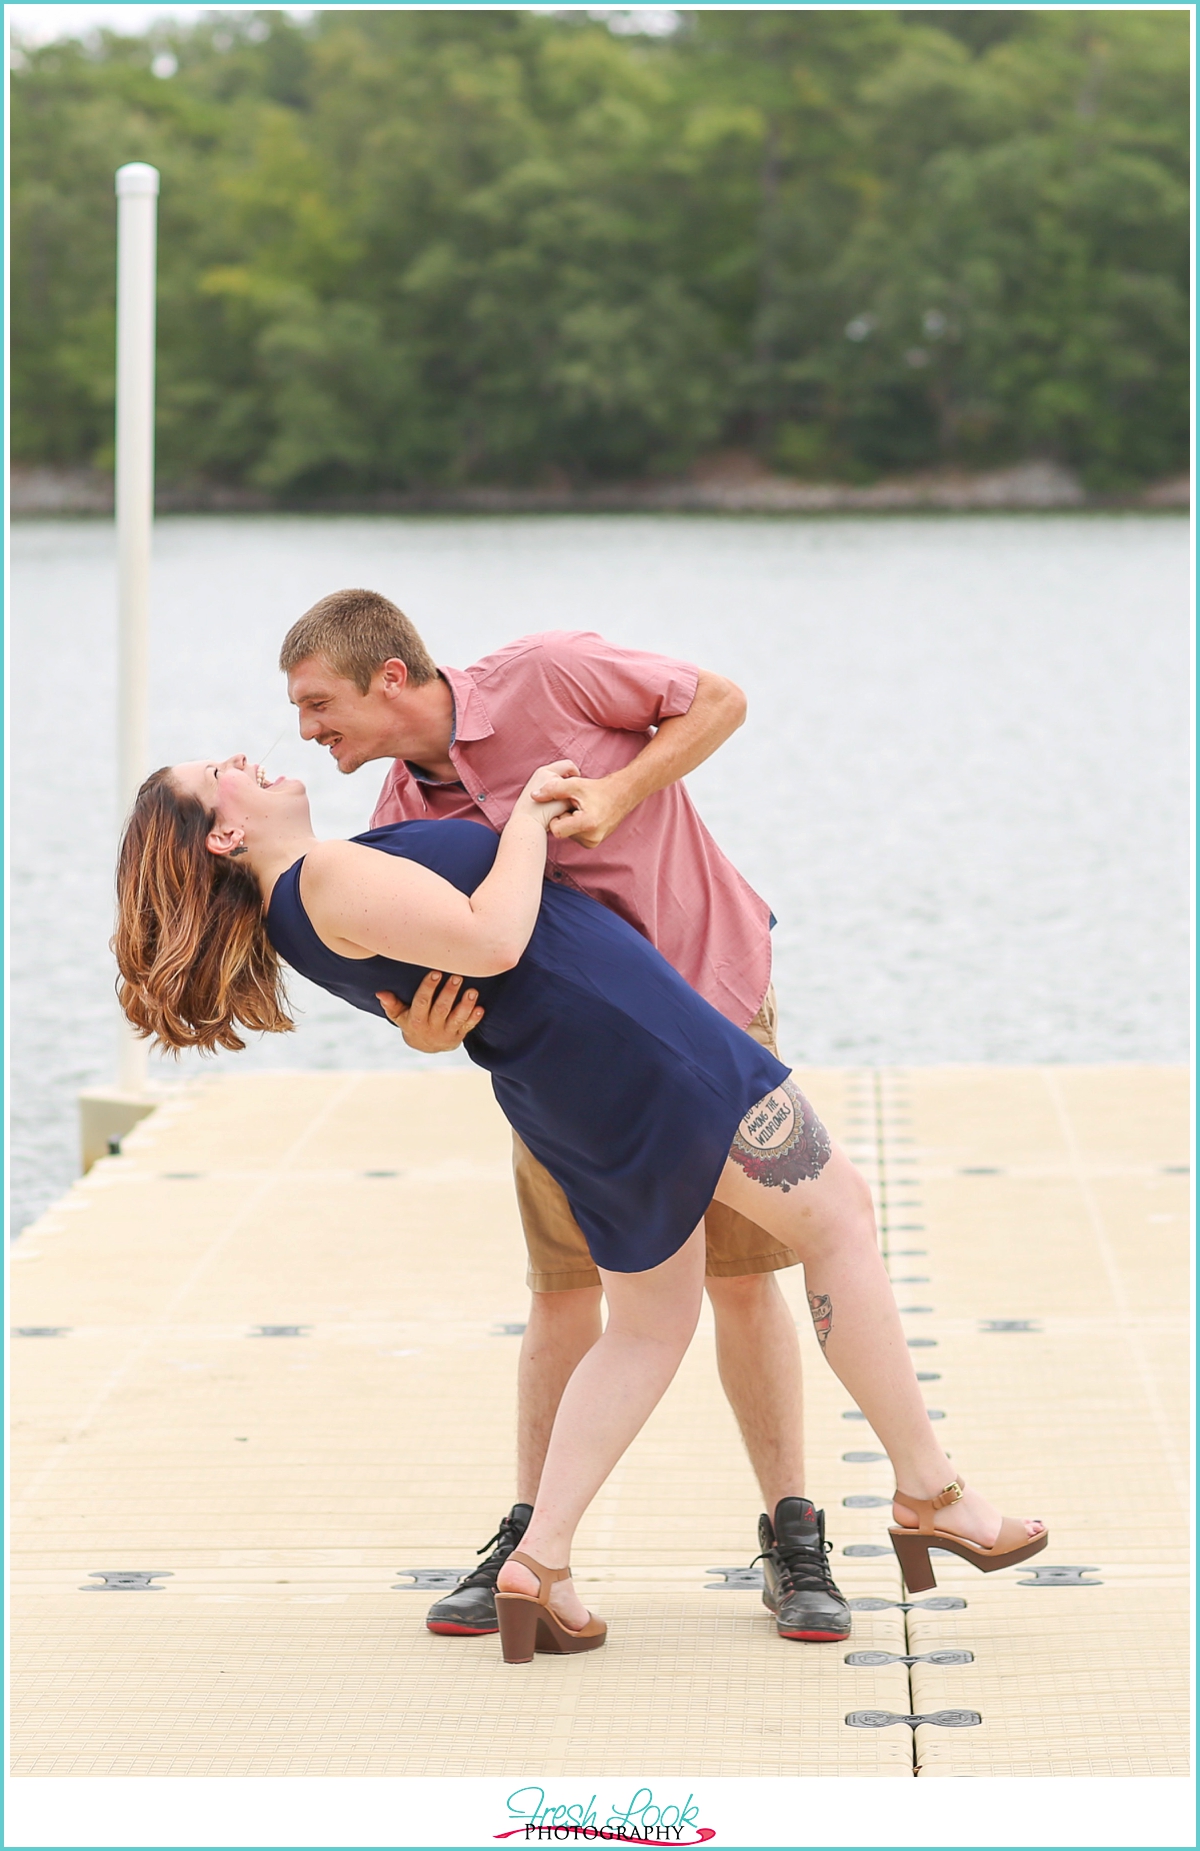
(596, 808)
(437, 1021)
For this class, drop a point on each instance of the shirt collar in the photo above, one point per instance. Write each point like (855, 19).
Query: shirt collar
(470, 713)
(419, 775)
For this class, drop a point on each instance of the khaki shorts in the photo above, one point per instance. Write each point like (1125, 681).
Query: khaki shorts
(559, 1260)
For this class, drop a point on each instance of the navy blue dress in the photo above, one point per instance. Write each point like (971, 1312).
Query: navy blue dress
(623, 1081)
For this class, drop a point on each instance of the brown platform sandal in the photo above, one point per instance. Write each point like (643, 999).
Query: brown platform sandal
(527, 1625)
(1014, 1543)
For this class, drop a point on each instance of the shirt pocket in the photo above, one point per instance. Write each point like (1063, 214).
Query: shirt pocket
(575, 746)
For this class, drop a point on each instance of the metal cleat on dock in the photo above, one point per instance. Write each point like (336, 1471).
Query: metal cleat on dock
(127, 1580)
(909, 1658)
(943, 1719)
(1060, 1577)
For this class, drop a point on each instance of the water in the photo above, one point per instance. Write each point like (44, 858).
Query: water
(962, 786)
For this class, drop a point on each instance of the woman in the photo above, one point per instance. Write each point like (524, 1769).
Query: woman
(641, 1100)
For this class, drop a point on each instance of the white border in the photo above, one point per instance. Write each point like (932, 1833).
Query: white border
(153, 1812)
(130, 1813)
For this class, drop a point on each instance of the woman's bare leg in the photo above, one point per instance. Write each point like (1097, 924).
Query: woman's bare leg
(786, 1174)
(615, 1388)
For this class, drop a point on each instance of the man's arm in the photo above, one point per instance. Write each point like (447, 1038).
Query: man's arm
(678, 746)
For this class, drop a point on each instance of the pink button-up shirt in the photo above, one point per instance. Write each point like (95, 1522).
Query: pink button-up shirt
(570, 694)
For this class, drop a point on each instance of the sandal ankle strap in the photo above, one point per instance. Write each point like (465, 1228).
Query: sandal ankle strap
(923, 1508)
(546, 1576)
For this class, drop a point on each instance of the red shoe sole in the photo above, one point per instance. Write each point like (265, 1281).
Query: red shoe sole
(459, 1632)
(817, 1638)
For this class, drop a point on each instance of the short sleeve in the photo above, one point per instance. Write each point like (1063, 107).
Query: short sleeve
(389, 806)
(626, 689)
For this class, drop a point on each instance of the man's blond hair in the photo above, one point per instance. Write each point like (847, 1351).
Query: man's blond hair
(357, 632)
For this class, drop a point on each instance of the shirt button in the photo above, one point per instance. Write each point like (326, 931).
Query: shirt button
(480, 796)
(556, 874)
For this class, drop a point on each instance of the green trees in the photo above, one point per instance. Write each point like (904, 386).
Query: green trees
(453, 247)
(1026, 260)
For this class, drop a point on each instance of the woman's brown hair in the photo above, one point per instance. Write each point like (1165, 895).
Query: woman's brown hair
(191, 941)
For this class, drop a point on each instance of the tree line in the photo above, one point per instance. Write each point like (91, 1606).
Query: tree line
(435, 249)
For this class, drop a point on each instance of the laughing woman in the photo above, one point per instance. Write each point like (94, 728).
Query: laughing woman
(640, 1099)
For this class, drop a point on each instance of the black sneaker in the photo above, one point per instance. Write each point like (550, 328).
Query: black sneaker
(471, 1609)
(797, 1584)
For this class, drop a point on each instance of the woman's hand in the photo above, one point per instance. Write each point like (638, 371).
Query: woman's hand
(594, 808)
(545, 809)
(434, 1023)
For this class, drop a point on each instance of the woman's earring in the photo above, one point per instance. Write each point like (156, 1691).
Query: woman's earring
(243, 850)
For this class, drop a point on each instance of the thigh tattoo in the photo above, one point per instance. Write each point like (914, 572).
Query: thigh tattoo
(781, 1141)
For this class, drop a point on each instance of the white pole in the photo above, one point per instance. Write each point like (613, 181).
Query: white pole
(137, 212)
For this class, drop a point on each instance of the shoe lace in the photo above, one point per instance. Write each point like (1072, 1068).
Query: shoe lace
(506, 1539)
(803, 1567)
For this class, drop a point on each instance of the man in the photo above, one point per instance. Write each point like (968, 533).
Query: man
(462, 743)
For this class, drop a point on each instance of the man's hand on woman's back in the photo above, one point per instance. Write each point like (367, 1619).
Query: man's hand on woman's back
(435, 1022)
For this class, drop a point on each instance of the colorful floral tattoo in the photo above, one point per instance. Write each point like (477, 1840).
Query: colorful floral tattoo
(781, 1141)
(821, 1306)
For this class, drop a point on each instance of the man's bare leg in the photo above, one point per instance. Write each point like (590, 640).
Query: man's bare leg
(758, 1356)
(561, 1330)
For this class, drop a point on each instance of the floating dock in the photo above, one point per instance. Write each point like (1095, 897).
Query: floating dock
(263, 1379)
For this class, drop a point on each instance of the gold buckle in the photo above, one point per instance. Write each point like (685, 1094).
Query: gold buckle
(950, 1494)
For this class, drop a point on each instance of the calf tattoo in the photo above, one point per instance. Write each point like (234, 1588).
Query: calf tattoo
(781, 1141)
(821, 1306)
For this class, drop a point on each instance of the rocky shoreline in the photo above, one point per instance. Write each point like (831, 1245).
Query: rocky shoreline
(727, 485)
